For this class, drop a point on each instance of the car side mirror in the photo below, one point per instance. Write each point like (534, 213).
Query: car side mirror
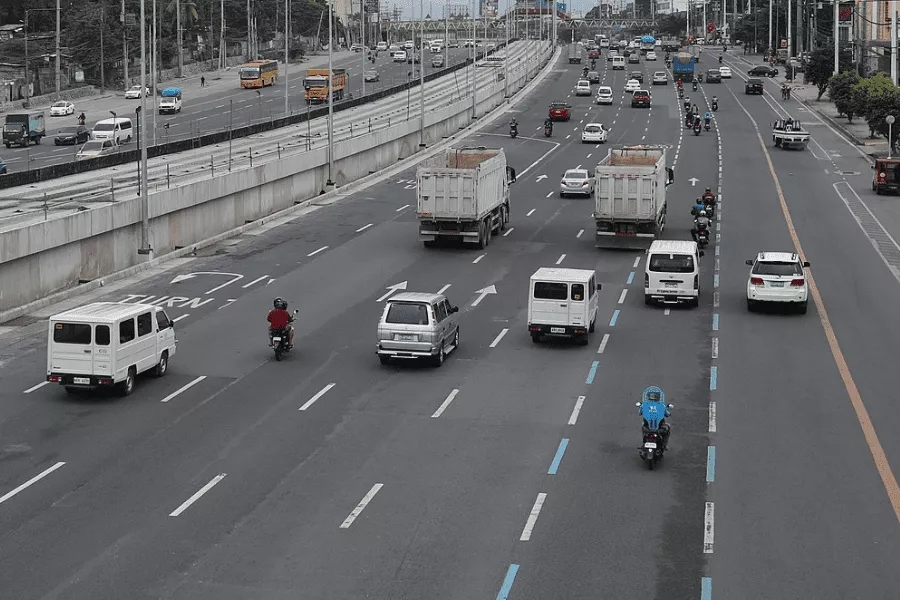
(670, 406)
(871, 166)
(749, 263)
(806, 264)
(638, 404)
(454, 309)
(599, 286)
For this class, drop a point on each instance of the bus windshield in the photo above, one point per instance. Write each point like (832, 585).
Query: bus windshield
(250, 73)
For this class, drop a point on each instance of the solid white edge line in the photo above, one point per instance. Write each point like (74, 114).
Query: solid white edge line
(709, 528)
(364, 227)
(187, 503)
(577, 410)
(508, 231)
(361, 506)
(405, 206)
(445, 404)
(318, 395)
(533, 517)
(314, 252)
(184, 388)
(499, 337)
(36, 387)
(30, 482)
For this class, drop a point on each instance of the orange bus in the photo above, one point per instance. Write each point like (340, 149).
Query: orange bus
(258, 73)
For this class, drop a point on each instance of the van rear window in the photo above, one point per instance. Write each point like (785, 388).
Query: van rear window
(407, 313)
(72, 333)
(544, 290)
(672, 263)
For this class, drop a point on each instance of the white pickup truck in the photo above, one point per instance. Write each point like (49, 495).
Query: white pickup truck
(787, 133)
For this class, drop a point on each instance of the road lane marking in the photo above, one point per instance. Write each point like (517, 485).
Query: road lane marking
(549, 194)
(622, 296)
(36, 387)
(603, 342)
(508, 582)
(580, 232)
(862, 414)
(615, 317)
(715, 347)
(314, 252)
(499, 337)
(709, 528)
(715, 322)
(667, 311)
(444, 288)
(318, 395)
(705, 588)
(361, 506)
(630, 278)
(184, 388)
(713, 377)
(554, 466)
(560, 259)
(715, 299)
(364, 227)
(445, 404)
(593, 372)
(30, 482)
(184, 316)
(712, 417)
(255, 281)
(508, 231)
(533, 517)
(716, 280)
(577, 410)
(197, 495)
(710, 464)
(405, 206)
(637, 261)
(530, 212)
(478, 259)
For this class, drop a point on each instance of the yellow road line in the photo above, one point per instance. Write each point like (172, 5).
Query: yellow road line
(865, 422)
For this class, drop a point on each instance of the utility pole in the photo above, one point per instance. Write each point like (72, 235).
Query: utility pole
(57, 49)
(153, 67)
(475, 54)
(249, 35)
(421, 75)
(124, 43)
(223, 58)
(178, 27)
(771, 49)
(799, 26)
(142, 136)
(102, 55)
(27, 73)
(893, 44)
(362, 40)
(287, 54)
(330, 183)
(790, 40)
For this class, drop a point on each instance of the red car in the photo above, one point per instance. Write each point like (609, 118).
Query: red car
(594, 53)
(640, 98)
(559, 111)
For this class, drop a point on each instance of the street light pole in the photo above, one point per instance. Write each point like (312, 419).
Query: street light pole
(27, 73)
(330, 183)
(890, 121)
(179, 41)
(836, 34)
(287, 54)
(365, 51)
(153, 69)
(57, 49)
(474, 55)
(145, 202)
(421, 75)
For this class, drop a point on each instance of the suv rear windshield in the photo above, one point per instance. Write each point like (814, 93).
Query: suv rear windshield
(545, 290)
(777, 268)
(407, 313)
(672, 263)
(72, 333)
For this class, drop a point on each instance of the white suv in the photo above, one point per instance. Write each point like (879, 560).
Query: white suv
(777, 277)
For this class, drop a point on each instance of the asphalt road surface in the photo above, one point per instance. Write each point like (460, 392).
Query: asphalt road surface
(512, 471)
(222, 103)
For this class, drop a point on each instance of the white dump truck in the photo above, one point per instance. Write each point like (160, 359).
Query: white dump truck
(463, 194)
(630, 196)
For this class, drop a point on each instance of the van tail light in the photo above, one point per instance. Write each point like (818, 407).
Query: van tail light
(798, 282)
(696, 282)
(646, 281)
(54, 378)
(756, 281)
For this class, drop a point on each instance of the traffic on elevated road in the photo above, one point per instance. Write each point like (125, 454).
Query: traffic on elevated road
(587, 351)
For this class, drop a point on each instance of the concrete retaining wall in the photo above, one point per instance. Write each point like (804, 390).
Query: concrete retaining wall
(43, 258)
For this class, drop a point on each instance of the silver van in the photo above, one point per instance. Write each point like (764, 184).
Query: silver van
(418, 325)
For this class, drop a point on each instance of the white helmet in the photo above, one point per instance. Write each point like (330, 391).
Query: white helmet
(702, 213)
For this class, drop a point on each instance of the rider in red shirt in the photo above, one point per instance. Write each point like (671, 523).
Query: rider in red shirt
(279, 318)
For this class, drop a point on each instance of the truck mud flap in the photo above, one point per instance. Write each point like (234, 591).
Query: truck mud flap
(638, 241)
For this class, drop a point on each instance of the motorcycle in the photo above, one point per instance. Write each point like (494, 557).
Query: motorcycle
(715, 106)
(709, 205)
(680, 93)
(281, 340)
(706, 125)
(696, 128)
(702, 238)
(694, 86)
(513, 131)
(548, 130)
(655, 432)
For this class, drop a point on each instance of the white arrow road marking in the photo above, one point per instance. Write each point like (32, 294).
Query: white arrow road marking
(693, 181)
(482, 293)
(393, 288)
(539, 178)
(234, 277)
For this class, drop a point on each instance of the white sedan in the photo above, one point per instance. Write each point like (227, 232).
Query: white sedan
(725, 72)
(62, 108)
(594, 133)
(660, 78)
(651, 56)
(135, 92)
(604, 95)
(777, 277)
(583, 88)
(633, 85)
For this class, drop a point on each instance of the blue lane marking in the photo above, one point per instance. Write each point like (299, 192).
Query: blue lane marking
(630, 277)
(715, 321)
(716, 280)
(713, 375)
(710, 464)
(593, 372)
(554, 466)
(508, 582)
(615, 317)
(706, 588)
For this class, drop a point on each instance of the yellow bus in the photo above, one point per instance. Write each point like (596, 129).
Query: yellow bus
(258, 73)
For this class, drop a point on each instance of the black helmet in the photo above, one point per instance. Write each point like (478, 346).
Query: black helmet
(653, 396)
(280, 303)
(708, 191)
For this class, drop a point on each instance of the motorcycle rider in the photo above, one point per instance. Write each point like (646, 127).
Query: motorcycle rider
(701, 223)
(715, 103)
(707, 118)
(584, 72)
(548, 125)
(593, 64)
(695, 111)
(81, 119)
(513, 126)
(697, 208)
(720, 59)
(697, 125)
(652, 395)
(694, 85)
(279, 318)
(708, 197)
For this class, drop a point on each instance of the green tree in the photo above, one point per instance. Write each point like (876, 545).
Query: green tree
(874, 98)
(840, 90)
(819, 69)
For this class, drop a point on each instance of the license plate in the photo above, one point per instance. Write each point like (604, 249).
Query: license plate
(671, 284)
(650, 445)
(276, 340)
(81, 380)
(405, 337)
(557, 330)
(776, 283)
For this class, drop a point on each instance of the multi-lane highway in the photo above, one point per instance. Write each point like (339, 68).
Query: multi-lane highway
(512, 471)
(219, 104)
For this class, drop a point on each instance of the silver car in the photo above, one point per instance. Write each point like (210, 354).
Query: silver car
(418, 325)
(576, 181)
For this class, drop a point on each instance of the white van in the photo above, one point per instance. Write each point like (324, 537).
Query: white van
(108, 343)
(562, 302)
(618, 63)
(672, 272)
(119, 130)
